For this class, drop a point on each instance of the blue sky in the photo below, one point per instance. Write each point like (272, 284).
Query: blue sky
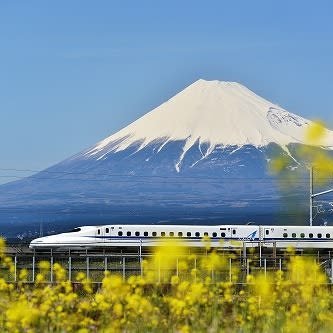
(74, 72)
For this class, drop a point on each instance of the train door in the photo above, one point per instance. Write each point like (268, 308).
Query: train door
(233, 232)
(100, 234)
(268, 234)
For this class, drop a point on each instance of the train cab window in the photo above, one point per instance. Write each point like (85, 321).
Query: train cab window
(223, 234)
(310, 235)
(197, 234)
(189, 234)
(120, 233)
(328, 236)
(171, 233)
(162, 234)
(234, 231)
(302, 235)
(293, 235)
(180, 234)
(74, 230)
(129, 233)
(107, 230)
(145, 233)
(98, 231)
(319, 235)
(206, 234)
(137, 233)
(154, 233)
(285, 235)
(214, 234)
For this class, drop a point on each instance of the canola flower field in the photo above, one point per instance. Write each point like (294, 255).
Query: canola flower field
(298, 300)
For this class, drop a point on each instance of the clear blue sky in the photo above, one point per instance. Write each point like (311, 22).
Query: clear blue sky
(73, 72)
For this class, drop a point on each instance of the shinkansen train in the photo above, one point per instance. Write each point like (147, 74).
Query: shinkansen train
(190, 235)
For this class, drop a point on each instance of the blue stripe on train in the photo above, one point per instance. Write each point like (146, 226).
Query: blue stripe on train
(215, 238)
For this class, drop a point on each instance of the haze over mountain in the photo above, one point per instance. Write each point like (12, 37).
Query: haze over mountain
(204, 155)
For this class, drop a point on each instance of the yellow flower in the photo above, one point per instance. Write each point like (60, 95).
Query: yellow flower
(315, 133)
(118, 309)
(40, 278)
(44, 265)
(23, 275)
(185, 329)
(80, 276)
(174, 280)
(3, 285)
(2, 246)
(21, 314)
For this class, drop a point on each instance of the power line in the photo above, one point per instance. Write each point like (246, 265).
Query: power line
(127, 175)
(166, 179)
(180, 214)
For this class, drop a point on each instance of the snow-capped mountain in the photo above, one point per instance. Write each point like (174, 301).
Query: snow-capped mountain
(210, 114)
(204, 154)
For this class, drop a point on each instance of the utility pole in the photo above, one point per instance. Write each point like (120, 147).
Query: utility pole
(41, 228)
(314, 195)
(311, 196)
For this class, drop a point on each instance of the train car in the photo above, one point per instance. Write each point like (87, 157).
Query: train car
(124, 235)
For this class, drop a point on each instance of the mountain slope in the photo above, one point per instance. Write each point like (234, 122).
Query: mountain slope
(211, 114)
(205, 153)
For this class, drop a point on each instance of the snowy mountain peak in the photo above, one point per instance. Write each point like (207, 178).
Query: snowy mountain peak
(214, 113)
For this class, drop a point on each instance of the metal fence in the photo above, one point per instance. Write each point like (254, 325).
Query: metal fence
(235, 268)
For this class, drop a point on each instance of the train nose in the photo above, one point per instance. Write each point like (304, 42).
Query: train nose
(36, 242)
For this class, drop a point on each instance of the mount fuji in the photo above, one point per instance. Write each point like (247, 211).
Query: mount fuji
(203, 156)
(209, 114)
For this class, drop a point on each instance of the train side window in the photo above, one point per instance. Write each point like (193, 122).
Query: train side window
(137, 233)
(319, 235)
(98, 231)
(310, 235)
(223, 234)
(293, 235)
(234, 232)
(302, 235)
(145, 233)
(189, 234)
(328, 236)
(285, 235)
(214, 234)
(197, 234)
(180, 234)
(267, 231)
(171, 233)
(154, 233)
(120, 233)
(129, 233)
(107, 230)
(162, 234)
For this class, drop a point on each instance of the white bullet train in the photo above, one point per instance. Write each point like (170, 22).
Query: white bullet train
(191, 235)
